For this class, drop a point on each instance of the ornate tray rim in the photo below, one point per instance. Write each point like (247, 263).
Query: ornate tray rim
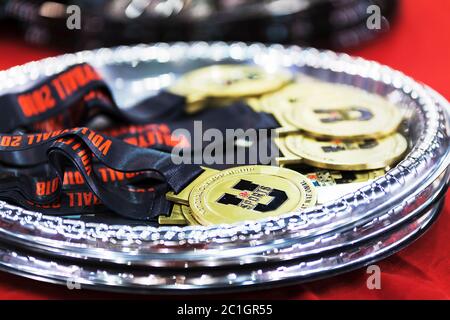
(187, 282)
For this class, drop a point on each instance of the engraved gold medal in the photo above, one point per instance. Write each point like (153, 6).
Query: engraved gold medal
(250, 193)
(229, 82)
(365, 154)
(331, 111)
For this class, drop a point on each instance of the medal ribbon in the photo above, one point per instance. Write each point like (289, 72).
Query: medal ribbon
(125, 169)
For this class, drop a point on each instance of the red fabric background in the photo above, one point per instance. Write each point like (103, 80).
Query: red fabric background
(418, 45)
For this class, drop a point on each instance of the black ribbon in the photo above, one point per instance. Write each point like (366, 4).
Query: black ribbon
(39, 157)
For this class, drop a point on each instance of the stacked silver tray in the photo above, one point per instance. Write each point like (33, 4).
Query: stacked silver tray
(356, 230)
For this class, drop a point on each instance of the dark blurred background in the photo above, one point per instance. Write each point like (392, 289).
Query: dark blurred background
(332, 24)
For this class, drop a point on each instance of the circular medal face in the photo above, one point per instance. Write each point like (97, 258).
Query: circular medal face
(333, 111)
(364, 154)
(250, 193)
(227, 81)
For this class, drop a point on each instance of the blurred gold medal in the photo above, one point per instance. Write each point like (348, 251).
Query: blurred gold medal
(331, 111)
(228, 82)
(364, 154)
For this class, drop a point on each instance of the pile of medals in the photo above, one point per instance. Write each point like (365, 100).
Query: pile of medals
(336, 137)
(339, 137)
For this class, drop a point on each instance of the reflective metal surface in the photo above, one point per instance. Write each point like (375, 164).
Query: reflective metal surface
(354, 230)
(111, 278)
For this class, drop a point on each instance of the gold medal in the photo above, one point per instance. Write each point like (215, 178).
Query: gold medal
(245, 193)
(228, 82)
(250, 193)
(331, 111)
(337, 154)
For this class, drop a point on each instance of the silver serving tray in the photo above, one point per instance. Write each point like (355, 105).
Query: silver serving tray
(360, 221)
(109, 277)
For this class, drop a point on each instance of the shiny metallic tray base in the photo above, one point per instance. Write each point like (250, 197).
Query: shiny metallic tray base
(111, 278)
